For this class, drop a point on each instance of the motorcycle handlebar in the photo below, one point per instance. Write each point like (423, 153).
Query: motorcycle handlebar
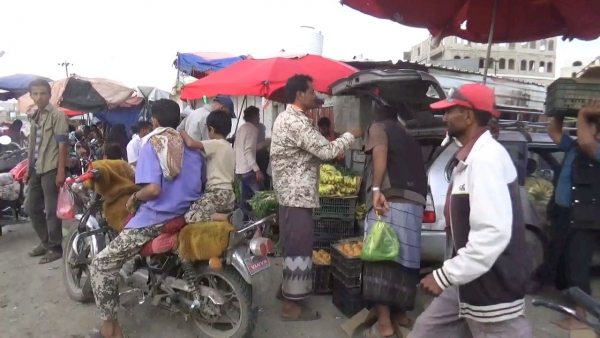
(586, 301)
(92, 174)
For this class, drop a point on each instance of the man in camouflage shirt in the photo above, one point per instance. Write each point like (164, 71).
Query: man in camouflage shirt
(297, 149)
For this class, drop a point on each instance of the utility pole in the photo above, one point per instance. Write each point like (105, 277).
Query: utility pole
(66, 65)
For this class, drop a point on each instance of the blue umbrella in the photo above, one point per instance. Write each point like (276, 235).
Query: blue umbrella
(17, 85)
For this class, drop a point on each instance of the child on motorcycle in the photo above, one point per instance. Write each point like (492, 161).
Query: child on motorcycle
(218, 198)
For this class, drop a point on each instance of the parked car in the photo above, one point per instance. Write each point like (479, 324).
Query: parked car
(412, 92)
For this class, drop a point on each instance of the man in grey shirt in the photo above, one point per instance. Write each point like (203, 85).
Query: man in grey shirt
(195, 123)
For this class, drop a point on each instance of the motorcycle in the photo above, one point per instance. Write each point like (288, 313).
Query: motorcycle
(202, 295)
(13, 160)
(591, 305)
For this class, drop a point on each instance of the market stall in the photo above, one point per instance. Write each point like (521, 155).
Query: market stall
(337, 235)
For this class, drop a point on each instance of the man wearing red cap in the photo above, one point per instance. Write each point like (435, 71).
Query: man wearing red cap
(481, 290)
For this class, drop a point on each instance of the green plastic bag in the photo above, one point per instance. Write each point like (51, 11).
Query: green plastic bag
(381, 244)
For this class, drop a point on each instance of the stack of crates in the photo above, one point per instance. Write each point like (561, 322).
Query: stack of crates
(333, 221)
(347, 279)
(566, 96)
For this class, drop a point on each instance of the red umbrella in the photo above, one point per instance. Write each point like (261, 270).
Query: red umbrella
(511, 20)
(516, 20)
(267, 77)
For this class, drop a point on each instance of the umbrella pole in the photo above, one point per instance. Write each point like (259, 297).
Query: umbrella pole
(490, 39)
(238, 118)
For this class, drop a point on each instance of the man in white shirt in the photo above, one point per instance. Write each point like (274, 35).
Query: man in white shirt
(133, 147)
(195, 123)
(246, 167)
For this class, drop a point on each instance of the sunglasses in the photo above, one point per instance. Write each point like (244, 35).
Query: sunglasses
(454, 94)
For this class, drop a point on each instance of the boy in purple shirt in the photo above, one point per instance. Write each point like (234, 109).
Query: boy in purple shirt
(170, 176)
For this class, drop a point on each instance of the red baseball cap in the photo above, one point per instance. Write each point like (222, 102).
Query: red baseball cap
(476, 96)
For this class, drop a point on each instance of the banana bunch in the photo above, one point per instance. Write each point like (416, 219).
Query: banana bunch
(361, 212)
(333, 183)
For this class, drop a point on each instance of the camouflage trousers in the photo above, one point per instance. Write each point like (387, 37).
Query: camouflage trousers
(105, 267)
(213, 201)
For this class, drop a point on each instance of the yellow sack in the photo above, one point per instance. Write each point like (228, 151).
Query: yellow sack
(202, 241)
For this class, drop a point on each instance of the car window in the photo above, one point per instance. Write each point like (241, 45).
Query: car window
(432, 92)
(431, 148)
(559, 156)
(518, 153)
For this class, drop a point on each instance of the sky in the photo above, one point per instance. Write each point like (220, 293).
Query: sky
(135, 42)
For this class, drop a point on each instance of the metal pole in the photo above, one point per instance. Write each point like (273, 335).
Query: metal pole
(490, 39)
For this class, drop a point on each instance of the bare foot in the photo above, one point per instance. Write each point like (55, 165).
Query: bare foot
(291, 312)
(111, 329)
(569, 324)
(401, 319)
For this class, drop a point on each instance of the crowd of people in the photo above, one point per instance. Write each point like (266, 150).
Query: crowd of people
(187, 167)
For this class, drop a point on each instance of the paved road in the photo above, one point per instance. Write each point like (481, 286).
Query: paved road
(34, 303)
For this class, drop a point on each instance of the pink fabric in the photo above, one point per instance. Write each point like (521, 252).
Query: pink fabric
(166, 240)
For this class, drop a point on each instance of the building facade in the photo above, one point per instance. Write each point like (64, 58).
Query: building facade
(530, 61)
(574, 68)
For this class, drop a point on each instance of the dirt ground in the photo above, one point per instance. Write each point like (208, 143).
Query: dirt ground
(34, 303)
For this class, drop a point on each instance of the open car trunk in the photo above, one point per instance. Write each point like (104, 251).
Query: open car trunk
(410, 91)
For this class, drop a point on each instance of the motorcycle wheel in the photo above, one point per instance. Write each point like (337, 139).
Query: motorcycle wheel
(76, 279)
(239, 294)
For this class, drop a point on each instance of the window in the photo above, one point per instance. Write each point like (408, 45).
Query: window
(418, 51)
(481, 65)
(532, 45)
(518, 153)
(549, 67)
(502, 64)
(490, 63)
(457, 57)
(523, 65)
(466, 57)
(543, 45)
(511, 46)
(551, 45)
(577, 64)
(542, 68)
(511, 64)
(531, 66)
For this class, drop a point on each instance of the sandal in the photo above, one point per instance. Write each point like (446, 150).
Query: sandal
(51, 256)
(306, 315)
(236, 218)
(373, 332)
(38, 251)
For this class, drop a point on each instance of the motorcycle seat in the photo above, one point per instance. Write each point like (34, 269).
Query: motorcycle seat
(193, 242)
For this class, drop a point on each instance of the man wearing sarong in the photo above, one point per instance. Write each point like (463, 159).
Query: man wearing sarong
(395, 189)
(297, 149)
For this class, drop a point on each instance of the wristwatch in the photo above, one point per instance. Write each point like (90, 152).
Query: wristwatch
(375, 189)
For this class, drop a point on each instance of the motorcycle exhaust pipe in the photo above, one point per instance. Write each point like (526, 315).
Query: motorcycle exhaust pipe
(204, 291)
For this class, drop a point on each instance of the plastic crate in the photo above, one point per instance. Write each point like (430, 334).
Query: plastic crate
(322, 283)
(349, 266)
(347, 300)
(324, 241)
(566, 96)
(338, 208)
(349, 282)
(331, 226)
